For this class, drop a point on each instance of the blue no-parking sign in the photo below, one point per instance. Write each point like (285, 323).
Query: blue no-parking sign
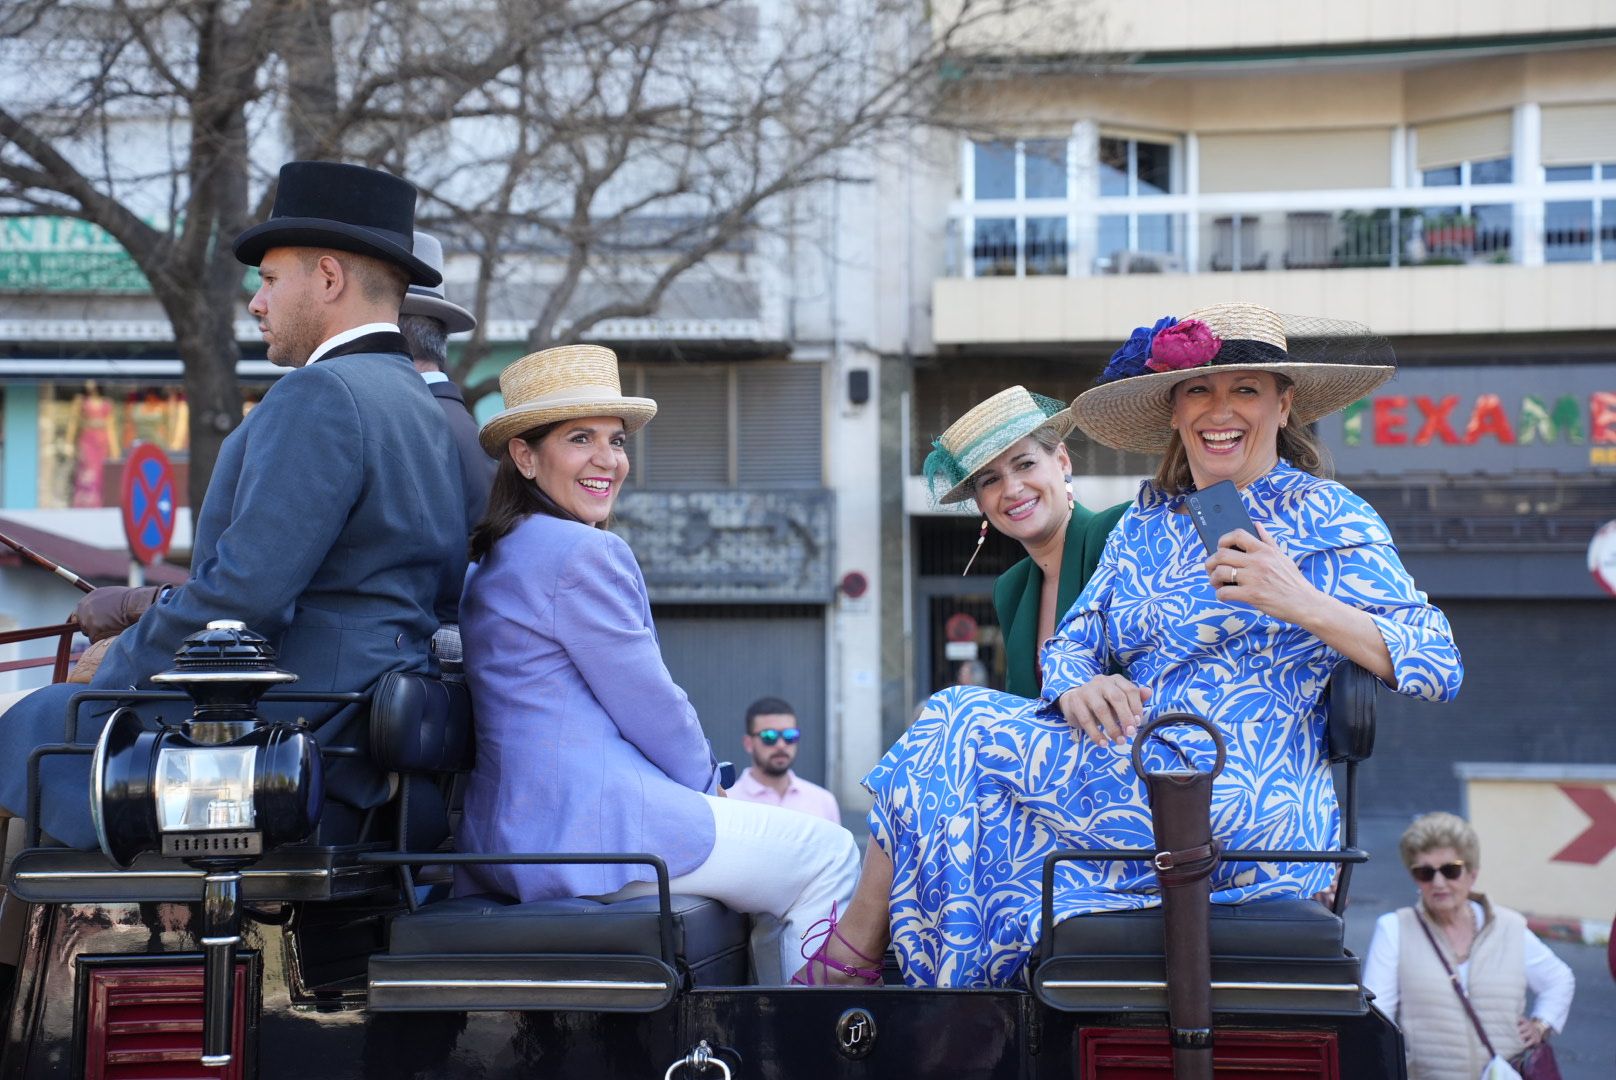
(148, 503)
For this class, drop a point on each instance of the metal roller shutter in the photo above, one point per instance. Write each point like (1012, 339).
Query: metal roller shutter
(778, 425)
(1536, 689)
(1579, 134)
(1474, 138)
(687, 445)
(726, 657)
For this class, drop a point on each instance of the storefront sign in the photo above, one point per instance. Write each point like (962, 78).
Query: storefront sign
(63, 254)
(1548, 417)
(730, 546)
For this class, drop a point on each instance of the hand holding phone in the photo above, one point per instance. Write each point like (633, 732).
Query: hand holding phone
(1217, 511)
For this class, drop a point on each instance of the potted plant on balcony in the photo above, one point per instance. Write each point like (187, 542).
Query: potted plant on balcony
(1366, 239)
(1450, 233)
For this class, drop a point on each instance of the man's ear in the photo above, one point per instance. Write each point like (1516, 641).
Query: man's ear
(331, 276)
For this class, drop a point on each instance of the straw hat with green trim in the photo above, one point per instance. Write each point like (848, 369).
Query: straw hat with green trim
(563, 383)
(1332, 363)
(985, 432)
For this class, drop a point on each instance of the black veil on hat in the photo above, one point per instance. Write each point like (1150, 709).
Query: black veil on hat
(327, 204)
(1331, 363)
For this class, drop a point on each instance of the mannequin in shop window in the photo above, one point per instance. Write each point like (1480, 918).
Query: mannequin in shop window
(93, 431)
(147, 417)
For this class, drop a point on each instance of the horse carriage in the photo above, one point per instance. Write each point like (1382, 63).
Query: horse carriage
(228, 927)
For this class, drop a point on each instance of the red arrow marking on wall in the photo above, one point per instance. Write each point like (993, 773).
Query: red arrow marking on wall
(1599, 838)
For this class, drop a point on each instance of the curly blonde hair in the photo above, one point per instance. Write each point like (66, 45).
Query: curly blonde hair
(1440, 830)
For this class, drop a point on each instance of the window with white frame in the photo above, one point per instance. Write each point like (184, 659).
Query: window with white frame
(1134, 168)
(1472, 227)
(1012, 238)
(1579, 230)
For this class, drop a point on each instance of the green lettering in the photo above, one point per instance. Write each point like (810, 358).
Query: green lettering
(19, 232)
(1539, 424)
(1352, 422)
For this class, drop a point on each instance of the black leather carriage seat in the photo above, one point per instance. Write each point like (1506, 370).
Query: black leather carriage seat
(485, 952)
(491, 953)
(1269, 956)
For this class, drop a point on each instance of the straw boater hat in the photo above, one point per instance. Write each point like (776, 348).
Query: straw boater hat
(1332, 364)
(429, 300)
(561, 384)
(985, 432)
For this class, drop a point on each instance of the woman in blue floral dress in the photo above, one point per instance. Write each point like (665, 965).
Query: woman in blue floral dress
(984, 785)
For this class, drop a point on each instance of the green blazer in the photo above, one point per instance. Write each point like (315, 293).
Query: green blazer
(1015, 594)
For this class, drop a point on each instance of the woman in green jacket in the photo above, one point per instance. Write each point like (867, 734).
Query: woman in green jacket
(1007, 456)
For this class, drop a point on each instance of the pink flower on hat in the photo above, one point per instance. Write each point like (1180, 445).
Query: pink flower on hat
(1184, 345)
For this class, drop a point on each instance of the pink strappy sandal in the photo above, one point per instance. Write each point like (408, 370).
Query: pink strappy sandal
(870, 976)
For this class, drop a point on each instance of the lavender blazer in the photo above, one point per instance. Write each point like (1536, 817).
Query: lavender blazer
(584, 741)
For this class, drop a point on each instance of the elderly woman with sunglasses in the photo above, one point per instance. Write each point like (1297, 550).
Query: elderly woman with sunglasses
(1495, 958)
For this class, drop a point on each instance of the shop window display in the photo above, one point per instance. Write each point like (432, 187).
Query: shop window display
(86, 430)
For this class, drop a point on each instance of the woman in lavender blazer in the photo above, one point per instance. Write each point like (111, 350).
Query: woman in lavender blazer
(584, 741)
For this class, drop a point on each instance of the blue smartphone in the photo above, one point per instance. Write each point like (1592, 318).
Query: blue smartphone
(1217, 512)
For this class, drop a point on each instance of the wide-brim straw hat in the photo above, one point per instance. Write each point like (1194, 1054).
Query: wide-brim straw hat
(1330, 362)
(987, 430)
(430, 300)
(564, 383)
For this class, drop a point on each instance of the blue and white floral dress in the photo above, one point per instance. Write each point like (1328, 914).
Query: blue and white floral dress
(984, 785)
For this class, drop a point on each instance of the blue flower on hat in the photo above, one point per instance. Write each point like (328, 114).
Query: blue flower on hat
(1129, 360)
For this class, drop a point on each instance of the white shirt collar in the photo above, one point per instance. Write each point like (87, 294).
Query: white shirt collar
(434, 376)
(349, 335)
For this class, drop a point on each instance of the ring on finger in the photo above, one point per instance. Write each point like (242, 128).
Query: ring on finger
(1234, 575)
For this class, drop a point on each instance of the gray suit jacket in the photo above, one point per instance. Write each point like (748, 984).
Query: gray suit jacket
(332, 526)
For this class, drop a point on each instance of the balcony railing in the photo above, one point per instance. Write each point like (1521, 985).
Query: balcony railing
(1283, 231)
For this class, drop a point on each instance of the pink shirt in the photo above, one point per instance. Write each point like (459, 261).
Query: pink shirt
(800, 794)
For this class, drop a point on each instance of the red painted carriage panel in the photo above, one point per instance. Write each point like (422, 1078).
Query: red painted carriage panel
(1144, 1054)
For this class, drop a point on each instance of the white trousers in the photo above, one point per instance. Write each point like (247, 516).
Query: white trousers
(783, 867)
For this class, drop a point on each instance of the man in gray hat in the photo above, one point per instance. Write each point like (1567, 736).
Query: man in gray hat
(427, 318)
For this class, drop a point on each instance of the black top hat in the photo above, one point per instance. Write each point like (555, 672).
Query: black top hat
(347, 207)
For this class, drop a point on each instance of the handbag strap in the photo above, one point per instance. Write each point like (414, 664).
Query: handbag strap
(1453, 981)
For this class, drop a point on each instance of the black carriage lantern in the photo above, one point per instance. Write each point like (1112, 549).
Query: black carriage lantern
(216, 792)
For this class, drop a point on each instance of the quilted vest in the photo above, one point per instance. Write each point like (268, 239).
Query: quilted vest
(1441, 1041)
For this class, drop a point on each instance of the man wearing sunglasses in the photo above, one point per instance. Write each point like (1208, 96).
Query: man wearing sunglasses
(771, 738)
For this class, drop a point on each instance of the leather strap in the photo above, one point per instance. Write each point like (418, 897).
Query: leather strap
(1453, 981)
(1189, 865)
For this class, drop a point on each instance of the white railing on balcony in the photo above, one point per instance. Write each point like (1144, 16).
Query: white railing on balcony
(1270, 231)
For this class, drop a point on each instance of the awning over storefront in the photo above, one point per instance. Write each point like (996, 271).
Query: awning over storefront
(58, 370)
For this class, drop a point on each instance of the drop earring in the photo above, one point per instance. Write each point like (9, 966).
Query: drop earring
(981, 537)
(1071, 499)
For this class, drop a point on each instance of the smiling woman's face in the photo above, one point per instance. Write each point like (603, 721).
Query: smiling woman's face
(580, 464)
(1229, 422)
(1022, 492)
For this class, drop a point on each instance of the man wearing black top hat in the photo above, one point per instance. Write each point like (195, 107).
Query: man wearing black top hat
(332, 521)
